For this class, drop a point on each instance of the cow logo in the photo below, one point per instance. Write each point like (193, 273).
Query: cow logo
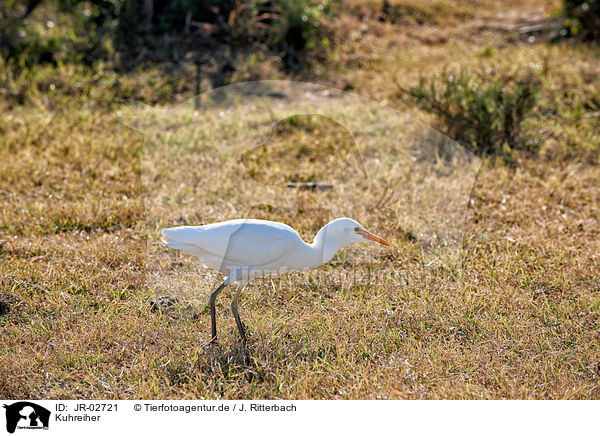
(26, 415)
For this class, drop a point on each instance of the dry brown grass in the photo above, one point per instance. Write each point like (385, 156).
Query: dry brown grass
(520, 319)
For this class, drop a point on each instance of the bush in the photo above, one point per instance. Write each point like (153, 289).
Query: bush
(582, 18)
(81, 33)
(291, 27)
(298, 29)
(133, 32)
(485, 117)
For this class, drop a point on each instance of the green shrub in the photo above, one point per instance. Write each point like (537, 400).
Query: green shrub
(581, 18)
(297, 29)
(78, 31)
(485, 116)
(133, 32)
(291, 27)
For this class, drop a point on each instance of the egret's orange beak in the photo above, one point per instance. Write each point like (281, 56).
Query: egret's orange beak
(371, 237)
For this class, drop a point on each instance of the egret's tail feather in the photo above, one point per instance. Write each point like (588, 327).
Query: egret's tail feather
(179, 245)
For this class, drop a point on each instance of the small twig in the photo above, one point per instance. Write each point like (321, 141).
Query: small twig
(310, 185)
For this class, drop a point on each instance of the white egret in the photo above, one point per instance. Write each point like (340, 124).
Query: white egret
(245, 248)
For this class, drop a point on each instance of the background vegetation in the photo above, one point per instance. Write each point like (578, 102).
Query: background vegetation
(514, 81)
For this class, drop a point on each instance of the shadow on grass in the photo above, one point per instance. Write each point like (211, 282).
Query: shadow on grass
(231, 361)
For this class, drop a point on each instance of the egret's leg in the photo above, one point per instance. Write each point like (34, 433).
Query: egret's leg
(236, 315)
(213, 311)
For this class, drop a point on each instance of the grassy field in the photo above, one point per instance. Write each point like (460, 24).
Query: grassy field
(518, 318)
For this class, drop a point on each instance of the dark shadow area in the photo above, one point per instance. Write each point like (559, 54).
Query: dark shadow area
(210, 35)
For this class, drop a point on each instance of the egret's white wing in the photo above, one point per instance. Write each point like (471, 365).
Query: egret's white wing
(242, 242)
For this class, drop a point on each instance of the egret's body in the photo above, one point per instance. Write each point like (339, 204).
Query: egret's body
(245, 248)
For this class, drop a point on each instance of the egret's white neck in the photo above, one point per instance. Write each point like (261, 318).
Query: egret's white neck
(323, 247)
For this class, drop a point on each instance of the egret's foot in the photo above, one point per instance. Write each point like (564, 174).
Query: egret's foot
(243, 329)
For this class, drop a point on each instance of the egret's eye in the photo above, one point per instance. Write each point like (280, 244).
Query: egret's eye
(357, 229)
